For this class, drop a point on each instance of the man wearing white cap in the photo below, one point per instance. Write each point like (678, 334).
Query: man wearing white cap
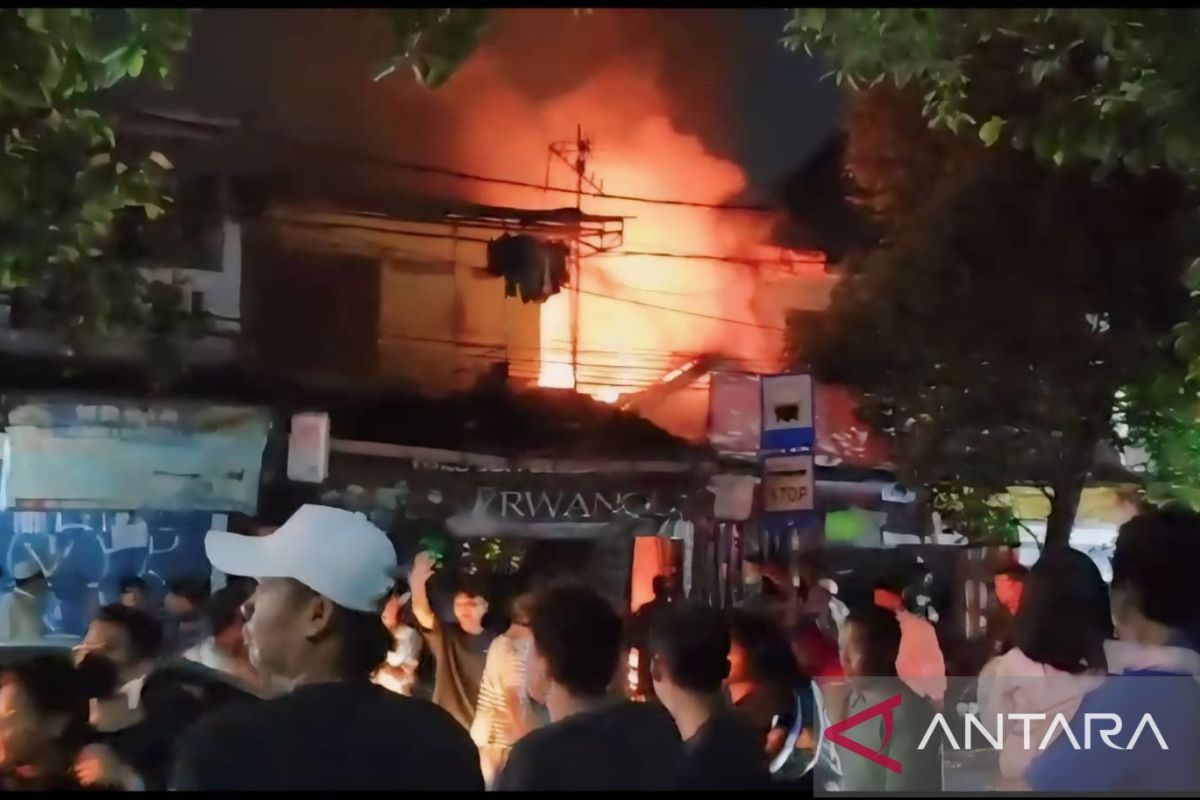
(21, 609)
(314, 624)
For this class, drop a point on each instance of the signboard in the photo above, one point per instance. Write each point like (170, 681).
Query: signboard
(788, 484)
(549, 498)
(133, 455)
(787, 412)
(308, 448)
(735, 412)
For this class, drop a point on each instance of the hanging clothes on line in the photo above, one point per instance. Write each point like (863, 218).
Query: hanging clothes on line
(532, 268)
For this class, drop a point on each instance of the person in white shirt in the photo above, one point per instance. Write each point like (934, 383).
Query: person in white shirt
(225, 650)
(920, 663)
(399, 672)
(502, 714)
(21, 609)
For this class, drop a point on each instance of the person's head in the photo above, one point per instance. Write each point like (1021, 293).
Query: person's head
(1064, 616)
(1153, 577)
(28, 576)
(293, 633)
(1010, 585)
(520, 613)
(758, 651)
(186, 596)
(470, 606)
(577, 637)
(43, 714)
(869, 643)
(133, 592)
(689, 650)
(224, 613)
(128, 637)
(323, 577)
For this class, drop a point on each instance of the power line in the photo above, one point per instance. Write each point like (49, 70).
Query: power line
(684, 311)
(746, 261)
(625, 374)
(428, 169)
(630, 301)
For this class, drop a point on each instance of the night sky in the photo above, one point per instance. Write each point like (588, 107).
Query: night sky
(308, 73)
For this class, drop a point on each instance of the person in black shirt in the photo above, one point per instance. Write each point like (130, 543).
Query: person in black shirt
(43, 725)
(589, 744)
(689, 649)
(643, 620)
(460, 649)
(314, 621)
(185, 621)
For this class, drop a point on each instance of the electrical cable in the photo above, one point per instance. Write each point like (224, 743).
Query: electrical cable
(408, 166)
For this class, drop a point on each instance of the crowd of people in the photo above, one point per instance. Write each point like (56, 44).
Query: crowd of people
(305, 672)
(1075, 650)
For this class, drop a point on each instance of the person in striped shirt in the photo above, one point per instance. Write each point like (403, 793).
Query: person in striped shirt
(502, 714)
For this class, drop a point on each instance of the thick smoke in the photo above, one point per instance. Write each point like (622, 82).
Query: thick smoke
(652, 90)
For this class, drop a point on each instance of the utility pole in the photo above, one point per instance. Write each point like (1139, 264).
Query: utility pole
(576, 155)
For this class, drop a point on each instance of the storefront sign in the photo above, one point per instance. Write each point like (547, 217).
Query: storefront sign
(550, 498)
(564, 505)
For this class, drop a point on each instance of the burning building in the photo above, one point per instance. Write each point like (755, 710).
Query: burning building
(611, 115)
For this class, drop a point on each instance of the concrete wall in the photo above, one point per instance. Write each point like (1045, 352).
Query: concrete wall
(438, 320)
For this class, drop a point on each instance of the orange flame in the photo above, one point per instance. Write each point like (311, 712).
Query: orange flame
(641, 315)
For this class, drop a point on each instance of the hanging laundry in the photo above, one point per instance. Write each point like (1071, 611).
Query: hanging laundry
(532, 268)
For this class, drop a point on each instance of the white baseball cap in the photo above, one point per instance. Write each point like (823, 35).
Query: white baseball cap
(334, 552)
(24, 570)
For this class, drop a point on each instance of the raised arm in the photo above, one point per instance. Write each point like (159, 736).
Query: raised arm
(418, 581)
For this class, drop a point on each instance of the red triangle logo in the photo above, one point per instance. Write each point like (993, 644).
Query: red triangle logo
(835, 731)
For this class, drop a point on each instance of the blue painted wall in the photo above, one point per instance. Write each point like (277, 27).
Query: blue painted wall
(86, 554)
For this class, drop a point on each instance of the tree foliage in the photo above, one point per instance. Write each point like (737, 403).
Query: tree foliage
(1161, 416)
(979, 514)
(1108, 90)
(434, 42)
(64, 183)
(1006, 305)
(1113, 87)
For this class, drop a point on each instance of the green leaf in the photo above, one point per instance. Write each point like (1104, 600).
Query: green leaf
(115, 56)
(1039, 69)
(814, 19)
(35, 19)
(52, 71)
(989, 132)
(137, 60)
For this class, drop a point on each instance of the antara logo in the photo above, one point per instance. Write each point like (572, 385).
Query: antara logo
(1059, 724)
(994, 737)
(835, 731)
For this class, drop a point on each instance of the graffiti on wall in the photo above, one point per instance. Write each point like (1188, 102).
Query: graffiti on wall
(86, 554)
